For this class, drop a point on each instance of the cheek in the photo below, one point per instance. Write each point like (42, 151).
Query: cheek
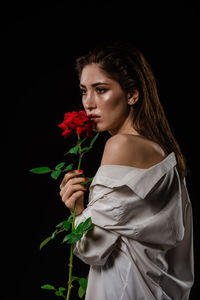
(112, 102)
(113, 105)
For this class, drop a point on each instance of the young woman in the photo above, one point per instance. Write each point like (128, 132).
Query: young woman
(141, 246)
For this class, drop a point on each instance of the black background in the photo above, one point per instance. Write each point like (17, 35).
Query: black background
(39, 43)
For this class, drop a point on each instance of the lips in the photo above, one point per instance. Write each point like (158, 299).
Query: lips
(93, 117)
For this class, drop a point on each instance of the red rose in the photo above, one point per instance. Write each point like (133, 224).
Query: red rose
(79, 121)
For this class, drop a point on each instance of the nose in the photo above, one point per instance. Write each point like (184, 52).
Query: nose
(89, 102)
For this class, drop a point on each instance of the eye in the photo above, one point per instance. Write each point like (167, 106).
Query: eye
(83, 91)
(100, 90)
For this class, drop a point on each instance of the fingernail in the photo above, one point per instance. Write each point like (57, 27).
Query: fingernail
(85, 188)
(80, 171)
(86, 179)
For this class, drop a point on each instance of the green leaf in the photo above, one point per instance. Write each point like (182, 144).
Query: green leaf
(83, 286)
(72, 238)
(59, 166)
(55, 174)
(84, 182)
(40, 170)
(58, 293)
(60, 224)
(87, 182)
(45, 242)
(85, 149)
(94, 139)
(54, 234)
(84, 226)
(62, 289)
(82, 140)
(88, 224)
(75, 278)
(66, 225)
(48, 287)
(73, 150)
(90, 178)
(68, 168)
(70, 219)
(79, 228)
(81, 292)
(83, 283)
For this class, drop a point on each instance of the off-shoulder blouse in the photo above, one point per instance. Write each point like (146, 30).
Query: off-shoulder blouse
(141, 247)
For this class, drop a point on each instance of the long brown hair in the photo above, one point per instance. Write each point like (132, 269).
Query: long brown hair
(124, 63)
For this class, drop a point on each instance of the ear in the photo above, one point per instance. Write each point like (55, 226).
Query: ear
(133, 97)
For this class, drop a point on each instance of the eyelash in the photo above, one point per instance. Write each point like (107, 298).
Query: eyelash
(99, 91)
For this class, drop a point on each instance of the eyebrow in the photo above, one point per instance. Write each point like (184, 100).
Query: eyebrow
(94, 84)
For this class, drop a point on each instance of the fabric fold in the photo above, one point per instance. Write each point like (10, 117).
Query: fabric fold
(143, 223)
(141, 181)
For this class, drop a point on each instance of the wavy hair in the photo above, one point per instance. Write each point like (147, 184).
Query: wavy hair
(124, 63)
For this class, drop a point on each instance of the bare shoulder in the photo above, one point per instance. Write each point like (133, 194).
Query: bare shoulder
(132, 150)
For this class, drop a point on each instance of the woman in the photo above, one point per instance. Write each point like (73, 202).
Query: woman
(141, 246)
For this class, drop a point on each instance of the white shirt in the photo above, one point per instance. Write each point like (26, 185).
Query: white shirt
(141, 247)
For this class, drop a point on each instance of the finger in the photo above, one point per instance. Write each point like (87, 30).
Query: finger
(76, 180)
(70, 202)
(69, 175)
(68, 191)
(72, 182)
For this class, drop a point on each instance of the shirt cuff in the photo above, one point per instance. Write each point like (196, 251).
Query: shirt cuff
(82, 217)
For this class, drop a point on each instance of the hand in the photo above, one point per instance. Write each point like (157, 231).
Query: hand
(72, 190)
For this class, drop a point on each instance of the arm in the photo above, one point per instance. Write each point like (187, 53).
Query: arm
(128, 202)
(96, 245)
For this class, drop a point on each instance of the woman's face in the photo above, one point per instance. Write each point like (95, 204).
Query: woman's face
(104, 97)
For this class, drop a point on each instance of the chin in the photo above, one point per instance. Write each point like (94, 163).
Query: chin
(97, 130)
(100, 128)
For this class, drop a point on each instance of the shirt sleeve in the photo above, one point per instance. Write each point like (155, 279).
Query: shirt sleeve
(96, 244)
(143, 205)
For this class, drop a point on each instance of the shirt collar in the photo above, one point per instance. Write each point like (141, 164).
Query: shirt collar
(141, 181)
